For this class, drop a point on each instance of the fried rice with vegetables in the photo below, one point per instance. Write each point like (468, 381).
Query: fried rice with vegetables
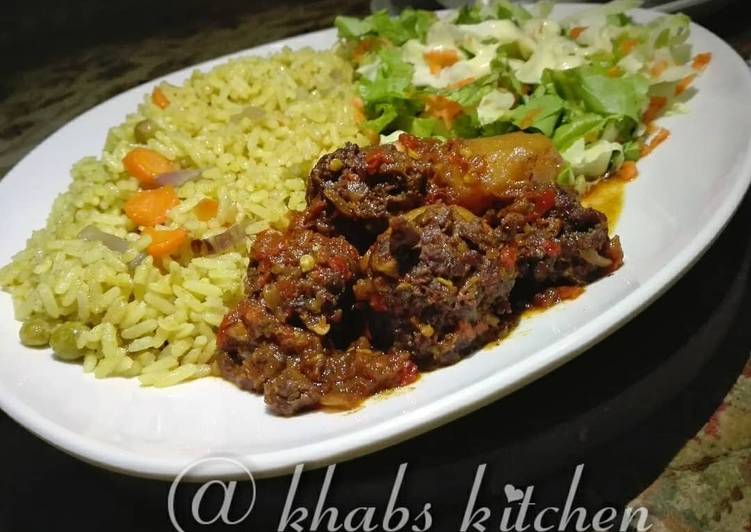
(146, 251)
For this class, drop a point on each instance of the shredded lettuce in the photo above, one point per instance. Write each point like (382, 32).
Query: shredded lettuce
(540, 113)
(410, 24)
(494, 106)
(586, 81)
(594, 90)
(585, 126)
(498, 10)
(591, 161)
(391, 80)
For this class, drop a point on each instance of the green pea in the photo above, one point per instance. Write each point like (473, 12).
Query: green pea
(63, 340)
(35, 333)
(144, 130)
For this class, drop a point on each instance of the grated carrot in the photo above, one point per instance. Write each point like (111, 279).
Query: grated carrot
(658, 68)
(701, 61)
(159, 98)
(150, 207)
(576, 31)
(615, 72)
(462, 83)
(684, 84)
(145, 164)
(656, 106)
(659, 137)
(627, 171)
(164, 243)
(627, 46)
(359, 107)
(437, 60)
(444, 109)
(206, 209)
(362, 48)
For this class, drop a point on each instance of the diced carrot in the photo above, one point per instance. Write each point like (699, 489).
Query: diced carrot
(437, 60)
(615, 72)
(159, 98)
(627, 46)
(656, 106)
(658, 68)
(150, 207)
(444, 109)
(359, 107)
(701, 61)
(206, 209)
(164, 243)
(659, 137)
(627, 171)
(576, 31)
(462, 83)
(145, 164)
(684, 84)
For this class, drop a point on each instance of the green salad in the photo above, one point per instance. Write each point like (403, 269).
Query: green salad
(593, 82)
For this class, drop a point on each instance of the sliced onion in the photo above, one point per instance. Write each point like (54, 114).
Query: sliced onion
(177, 177)
(229, 239)
(93, 234)
(253, 112)
(594, 258)
(136, 262)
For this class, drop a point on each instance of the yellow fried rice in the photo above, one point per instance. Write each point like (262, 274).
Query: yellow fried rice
(254, 126)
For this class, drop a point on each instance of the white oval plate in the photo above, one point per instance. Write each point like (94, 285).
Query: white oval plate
(685, 194)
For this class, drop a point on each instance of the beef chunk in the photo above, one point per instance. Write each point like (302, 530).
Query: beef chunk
(354, 190)
(437, 284)
(557, 240)
(303, 277)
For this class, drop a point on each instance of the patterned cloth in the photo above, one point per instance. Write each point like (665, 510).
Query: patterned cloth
(707, 486)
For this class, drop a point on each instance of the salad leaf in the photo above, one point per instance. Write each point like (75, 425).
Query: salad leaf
(618, 19)
(410, 24)
(391, 81)
(566, 178)
(498, 9)
(472, 94)
(585, 126)
(506, 78)
(540, 113)
(494, 106)
(669, 30)
(387, 113)
(426, 127)
(632, 150)
(469, 14)
(595, 91)
(592, 160)
(509, 10)
(351, 27)
(595, 15)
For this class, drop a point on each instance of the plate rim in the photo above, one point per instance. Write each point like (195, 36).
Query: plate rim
(426, 417)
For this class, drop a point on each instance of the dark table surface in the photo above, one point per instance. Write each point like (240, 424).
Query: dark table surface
(624, 409)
